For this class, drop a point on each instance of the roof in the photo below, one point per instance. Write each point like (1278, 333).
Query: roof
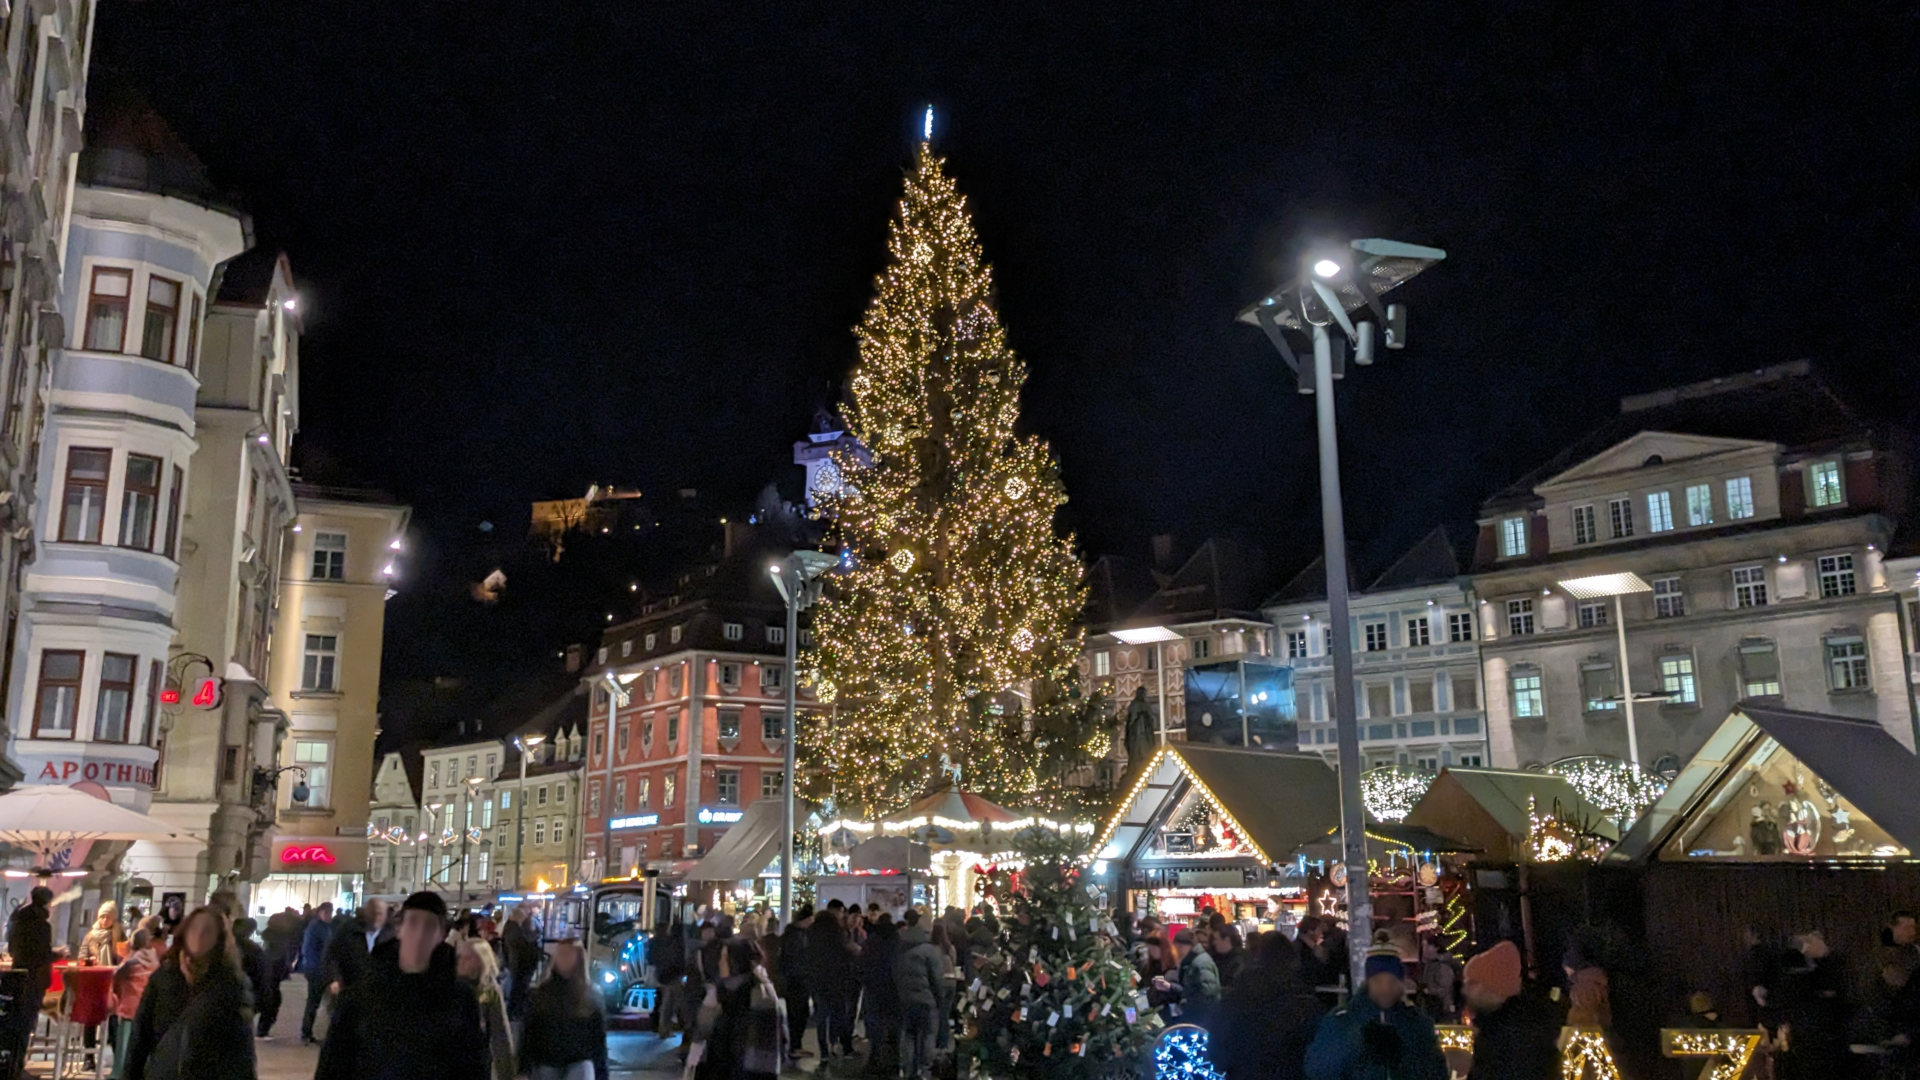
(746, 848)
(1788, 404)
(247, 278)
(1505, 794)
(1859, 759)
(1116, 587)
(131, 146)
(952, 804)
(1221, 580)
(1277, 801)
(1431, 561)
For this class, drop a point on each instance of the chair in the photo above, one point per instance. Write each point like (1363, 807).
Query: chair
(89, 988)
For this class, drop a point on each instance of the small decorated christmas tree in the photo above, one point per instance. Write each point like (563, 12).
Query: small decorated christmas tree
(1057, 996)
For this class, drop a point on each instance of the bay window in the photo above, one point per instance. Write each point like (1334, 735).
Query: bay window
(113, 705)
(84, 505)
(107, 309)
(59, 701)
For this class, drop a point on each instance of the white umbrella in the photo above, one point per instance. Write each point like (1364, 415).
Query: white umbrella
(46, 818)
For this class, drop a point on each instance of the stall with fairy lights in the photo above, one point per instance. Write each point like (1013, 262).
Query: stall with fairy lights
(963, 834)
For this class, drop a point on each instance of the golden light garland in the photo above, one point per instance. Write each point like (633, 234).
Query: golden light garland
(1584, 1054)
(1455, 1037)
(1734, 1048)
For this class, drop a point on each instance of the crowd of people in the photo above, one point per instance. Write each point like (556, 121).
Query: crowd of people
(412, 994)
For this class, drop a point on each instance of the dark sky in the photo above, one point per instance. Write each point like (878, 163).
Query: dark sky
(542, 244)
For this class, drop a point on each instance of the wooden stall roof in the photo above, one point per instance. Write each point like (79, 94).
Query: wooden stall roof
(1487, 808)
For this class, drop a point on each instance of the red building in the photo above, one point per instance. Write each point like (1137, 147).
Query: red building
(701, 735)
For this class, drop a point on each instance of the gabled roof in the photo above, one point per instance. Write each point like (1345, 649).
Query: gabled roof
(1859, 759)
(1116, 587)
(1504, 794)
(1221, 580)
(1277, 802)
(1429, 562)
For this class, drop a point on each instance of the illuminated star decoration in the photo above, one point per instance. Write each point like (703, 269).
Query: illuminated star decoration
(1182, 1054)
(1733, 1048)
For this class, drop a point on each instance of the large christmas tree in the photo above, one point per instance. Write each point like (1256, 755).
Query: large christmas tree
(960, 599)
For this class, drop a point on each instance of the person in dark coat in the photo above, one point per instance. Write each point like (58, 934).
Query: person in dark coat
(257, 967)
(1228, 954)
(1813, 1009)
(522, 943)
(409, 1019)
(1515, 1035)
(195, 1018)
(30, 943)
(919, 975)
(1267, 1020)
(1377, 1035)
(1316, 968)
(313, 964)
(880, 1008)
(352, 944)
(281, 939)
(830, 966)
(564, 1023)
(668, 952)
(796, 970)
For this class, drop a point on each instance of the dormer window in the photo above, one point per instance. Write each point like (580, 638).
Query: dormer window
(732, 631)
(1824, 478)
(1513, 537)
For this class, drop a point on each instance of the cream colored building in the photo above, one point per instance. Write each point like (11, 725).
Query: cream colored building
(324, 673)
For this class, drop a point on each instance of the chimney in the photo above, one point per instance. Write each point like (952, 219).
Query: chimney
(573, 658)
(1163, 551)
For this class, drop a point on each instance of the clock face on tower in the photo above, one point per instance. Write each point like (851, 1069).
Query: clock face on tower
(826, 481)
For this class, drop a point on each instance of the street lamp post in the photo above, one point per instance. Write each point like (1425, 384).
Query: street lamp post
(1616, 586)
(798, 578)
(617, 695)
(1157, 636)
(466, 840)
(527, 744)
(1333, 287)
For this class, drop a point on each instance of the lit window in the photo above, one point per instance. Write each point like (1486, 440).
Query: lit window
(540, 832)
(1700, 504)
(732, 631)
(670, 786)
(1520, 616)
(1585, 528)
(1669, 602)
(620, 795)
(1527, 699)
(1592, 613)
(726, 786)
(729, 720)
(107, 310)
(140, 502)
(559, 831)
(1759, 669)
(1202, 648)
(1599, 686)
(1620, 517)
(433, 774)
(85, 504)
(1740, 497)
(1296, 645)
(1847, 664)
(1419, 631)
(673, 726)
(315, 756)
(1659, 511)
(1676, 678)
(772, 784)
(1513, 537)
(163, 319)
(1376, 636)
(772, 677)
(1750, 586)
(1460, 626)
(59, 704)
(1836, 575)
(486, 814)
(644, 788)
(1826, 483)
(329, 556)
(1102, 663)
(113, 706)
(319, 671)
(481, 858)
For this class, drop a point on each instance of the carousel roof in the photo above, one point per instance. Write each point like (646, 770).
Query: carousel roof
(950, 804)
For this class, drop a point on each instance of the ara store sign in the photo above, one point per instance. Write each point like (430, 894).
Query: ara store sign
(725, 815)
(306, 855)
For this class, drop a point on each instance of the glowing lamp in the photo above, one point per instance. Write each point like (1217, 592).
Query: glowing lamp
(170, 696)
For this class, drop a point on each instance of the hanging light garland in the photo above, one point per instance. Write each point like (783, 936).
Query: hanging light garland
(1392, 791)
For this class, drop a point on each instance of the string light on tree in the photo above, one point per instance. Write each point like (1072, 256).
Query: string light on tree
(1391, 791)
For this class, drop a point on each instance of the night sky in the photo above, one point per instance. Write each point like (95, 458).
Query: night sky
(546, 244)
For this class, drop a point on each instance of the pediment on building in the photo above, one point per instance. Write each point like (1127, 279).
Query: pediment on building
(1649, 449)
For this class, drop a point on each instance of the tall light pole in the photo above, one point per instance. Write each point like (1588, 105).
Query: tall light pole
(1333, 286)
(1601, 587)
(527, 744)
(798, 578)
(617, 695)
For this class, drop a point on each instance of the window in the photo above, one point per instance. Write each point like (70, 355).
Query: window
(329, 556)
(173, 513)
(1460, 626)
(1620, 517)
(1520, 616)
(1669, 602)
(1847, 664)
(1469, 761)
(151, 727)
(645, 791)
(1379, 698)
(1700, 504)
(732, 631)
(1466, 693)
(1513, 537)
(1419, 631)
(671, 782)
(1659, 511)
(1592, 613)
(673, 726)
(493, 761)
(1102, 663)
(482, 861)
(85, 504)
(1836, 576)
(1750, 586)
(540, 795)
(1585, 529)
(540, 832)
(772, 677)
(1740, 497)
(486, 814)
(314, 755)
(1527, 701)
(1676, 678)
(652, 639)
(140, 501)
(776, 635)
(1759, 669)
(620, 795)
(1599, 686)
(730, 723)
(673, 635)
(626, 647)
(107, 309)
(726, 787)
(622, 743)
(1376, 636)
(1201, 648)
(649, 683)
(59, 703)
(323, 652)
(559, 831)
(163, 319)
(113, 706)
(674, 679)
(773, 783)
(1296, 644)
(599, 744)
(192, 359)
(773, 726)
(433, 774)
(806, 639)
(1420, 695)
(1826, 483)
(593, 798)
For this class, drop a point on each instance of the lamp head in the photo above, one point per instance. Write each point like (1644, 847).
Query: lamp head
(301, 792)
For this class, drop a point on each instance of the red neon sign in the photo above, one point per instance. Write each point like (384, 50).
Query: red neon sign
(315, 853)
(207, 694)
(170, 696)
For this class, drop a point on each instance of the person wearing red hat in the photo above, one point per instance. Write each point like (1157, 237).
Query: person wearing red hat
(1515, 1036)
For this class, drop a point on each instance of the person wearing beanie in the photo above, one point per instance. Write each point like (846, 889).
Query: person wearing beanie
(410, 1019)
(1515, 1035)
(1377, 1035)
(1191, 990)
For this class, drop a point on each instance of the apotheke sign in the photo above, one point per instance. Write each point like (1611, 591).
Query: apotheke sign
(710, 816)
(68, 770)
